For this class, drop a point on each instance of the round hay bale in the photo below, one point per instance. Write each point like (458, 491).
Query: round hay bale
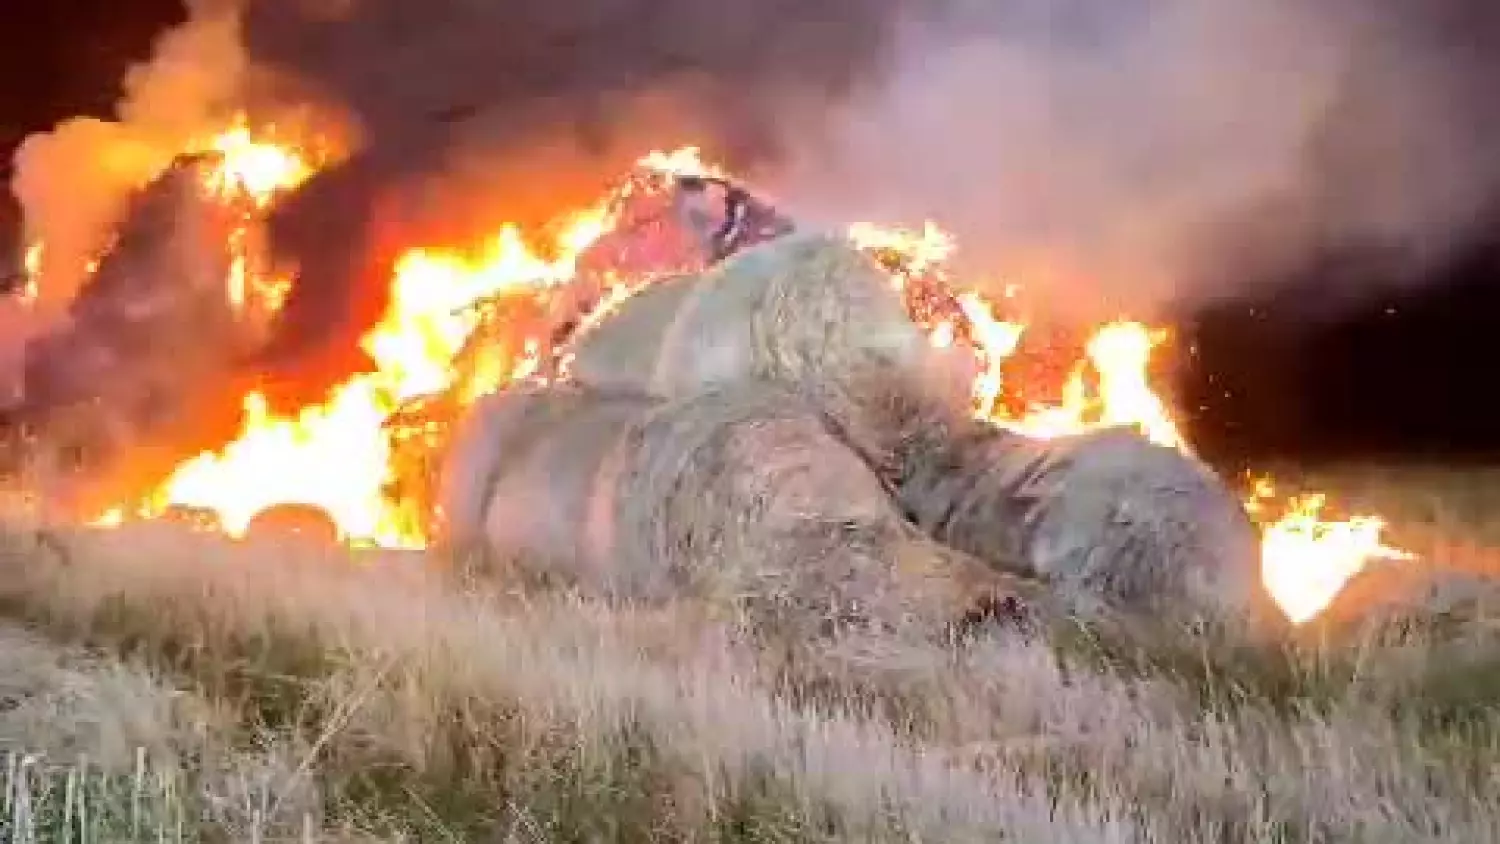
(803, 307)
(741, 494)
(1107, 518)
(302, 522)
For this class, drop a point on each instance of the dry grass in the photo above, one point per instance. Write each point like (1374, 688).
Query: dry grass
(162, 686)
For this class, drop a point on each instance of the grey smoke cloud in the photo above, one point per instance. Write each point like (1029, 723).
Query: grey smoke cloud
(522, 109)
(1135, 156)
(1112, 155)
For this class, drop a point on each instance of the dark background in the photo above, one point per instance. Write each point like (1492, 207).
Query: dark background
(1406, 376)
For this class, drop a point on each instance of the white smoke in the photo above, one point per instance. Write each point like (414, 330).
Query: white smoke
(1135, 155)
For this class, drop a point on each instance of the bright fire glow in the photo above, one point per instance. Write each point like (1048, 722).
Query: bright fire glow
(683, 161)
(338, 455)
(1306, 560)
(332, 456)
(32, 266)
(431, 314)
(259, 169)
(251, 174)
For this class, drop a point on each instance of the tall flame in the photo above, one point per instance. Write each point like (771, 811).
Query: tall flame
(332, 456)
(251, 174)
(337, 455)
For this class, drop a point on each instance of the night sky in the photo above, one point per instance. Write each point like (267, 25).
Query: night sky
(1402, 376)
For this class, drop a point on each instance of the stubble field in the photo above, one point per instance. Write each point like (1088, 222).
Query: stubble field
(161, 685)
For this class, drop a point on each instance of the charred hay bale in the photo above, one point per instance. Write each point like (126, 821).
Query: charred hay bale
(154, 310)
(799, 308)
(147, 364)
(1108, 519)
(740, 494)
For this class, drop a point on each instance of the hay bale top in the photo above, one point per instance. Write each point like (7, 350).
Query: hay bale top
(801, 307)
(826, 306)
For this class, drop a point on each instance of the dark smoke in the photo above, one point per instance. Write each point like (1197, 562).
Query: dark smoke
(1111, 155)
(480, 111)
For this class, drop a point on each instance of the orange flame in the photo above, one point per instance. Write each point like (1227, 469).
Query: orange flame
(1306, 560)
(31, 265)
(433, 295)
(252, 173)
(257, 169)
(337, 455)
(683, 161)
(332, 456)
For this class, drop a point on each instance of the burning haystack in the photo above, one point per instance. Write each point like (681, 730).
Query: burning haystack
(681, 402)
(807, 309)
(803, 420)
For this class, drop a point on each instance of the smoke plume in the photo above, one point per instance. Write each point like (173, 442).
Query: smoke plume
(1111, 155)
(1143, 155)
(480, 112)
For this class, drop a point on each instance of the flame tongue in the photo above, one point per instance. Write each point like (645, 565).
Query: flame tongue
(337, 455)
(1306, 561)
(341, 455)
(332, 456)
(259, 170)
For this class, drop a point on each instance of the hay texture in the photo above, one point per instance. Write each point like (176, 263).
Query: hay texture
(740, 494)
(800, 308)
(1107, 519)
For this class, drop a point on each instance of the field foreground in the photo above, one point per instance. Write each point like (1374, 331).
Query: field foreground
(159, 685)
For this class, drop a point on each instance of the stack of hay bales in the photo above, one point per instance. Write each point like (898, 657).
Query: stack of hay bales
(766, 430)
(740, 493)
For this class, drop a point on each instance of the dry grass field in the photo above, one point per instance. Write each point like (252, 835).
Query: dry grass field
(164, 686)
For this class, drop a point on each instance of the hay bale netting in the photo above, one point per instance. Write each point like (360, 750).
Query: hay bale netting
(800, 308)
(740, 494)
(1108, 519)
